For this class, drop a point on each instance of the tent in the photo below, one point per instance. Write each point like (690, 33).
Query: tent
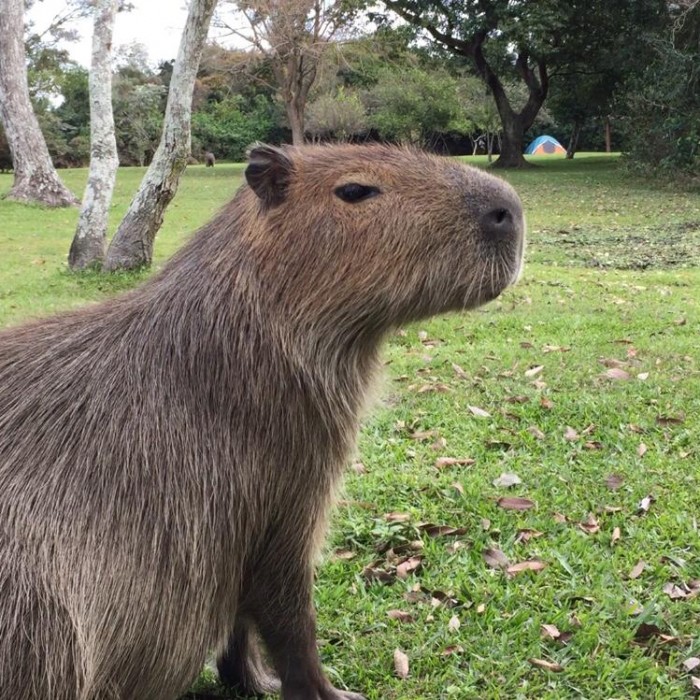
(545, 146)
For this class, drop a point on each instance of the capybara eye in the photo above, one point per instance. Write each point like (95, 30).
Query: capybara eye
(354, 192)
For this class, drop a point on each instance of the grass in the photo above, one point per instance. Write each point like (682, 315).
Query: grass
(612, 283)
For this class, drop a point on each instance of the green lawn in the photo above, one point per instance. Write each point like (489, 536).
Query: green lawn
(588, 369)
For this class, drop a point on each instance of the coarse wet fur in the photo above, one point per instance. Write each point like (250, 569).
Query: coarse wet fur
(168, 457)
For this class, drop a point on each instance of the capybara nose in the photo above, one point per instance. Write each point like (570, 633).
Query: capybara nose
(500, 223)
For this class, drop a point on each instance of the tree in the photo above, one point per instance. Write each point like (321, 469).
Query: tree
(527, 41)
(338, 115)
(87, 248)
(292, 36)
(35, 178)
(132, 245)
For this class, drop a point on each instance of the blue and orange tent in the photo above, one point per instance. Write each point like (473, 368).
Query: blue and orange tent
(545, 146)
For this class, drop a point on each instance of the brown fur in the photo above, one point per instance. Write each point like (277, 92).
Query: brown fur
(209, 159)
(168, 457)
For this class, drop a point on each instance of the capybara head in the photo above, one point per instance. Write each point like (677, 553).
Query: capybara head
(395, 234)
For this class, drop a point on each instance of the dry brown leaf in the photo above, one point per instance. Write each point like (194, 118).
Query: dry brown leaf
(442, 462)
(517, 399)
(408, 566)
(397, 517)
(675, 592)
(615, 535)
(550, 631)
(423, 434)
(344, 554)
(400, 664)
(439, 444)
(695, 684)
(691, 663)
(590, 525)
(536, 432)
(645, 504)
(546, 403)
(546, 665)
(458, 487)
(400, 616)
(481, 608)
(670, 420)
(507, 480)
(454, 624)
(453, 649)
(459, 371)
(570, 434)
(495, 558)
(560, 518)
(527, 534)
(637, 570)
(614, 481)
(534, 371)
(479, 412)
(373, 573)
(641, 450)
(529, 565)
(616, 374)
(515, 503)
(433, 530)
(485, 524)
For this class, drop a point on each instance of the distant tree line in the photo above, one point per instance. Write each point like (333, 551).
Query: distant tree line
(459, 77)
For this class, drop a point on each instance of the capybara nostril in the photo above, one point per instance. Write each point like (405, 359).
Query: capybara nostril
(499, 223)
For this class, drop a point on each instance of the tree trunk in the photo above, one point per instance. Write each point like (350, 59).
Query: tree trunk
(295, 115)
(608, 136)
(132, 245)
(512, 140)
(573, 140)
(35, 178)
(88, 245)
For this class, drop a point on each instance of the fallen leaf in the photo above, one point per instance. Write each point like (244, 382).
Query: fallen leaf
(670, 420)
(529, 565)
(458, 487)
(593, 445)
(453, 649)
(441, 530)
(345, 554)
(374, 573)
(546, 665)
(643, 376)
(454, 624)
(507, 480)
(570, 434)
(423, 434)
(614, 481)
(674, 592)
(439, 444)
(536, 432)
(615, 535)
(517, 399)
(695, 684)
(526, 534)
(637, 570)
(479, 412)
(615, 373)
(691, 663)
(641, 450)
(397, 517)
(495, 559)
(546, 403)
(407, 567)
(515, 503)
(481, 608)
(550, 631)
(400, 616)
(590, 525)
(485, 524)
(400, 664)
(645, 504)
(560, 518)
(459, 371)
(534, 371)
(442, 462)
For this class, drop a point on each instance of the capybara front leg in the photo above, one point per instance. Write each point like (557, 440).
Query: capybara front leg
(243, 667)
(286, 620)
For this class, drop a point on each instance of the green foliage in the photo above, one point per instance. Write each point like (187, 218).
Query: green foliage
(411, 105)
(336, 116)
(663, 104)
(226, 128)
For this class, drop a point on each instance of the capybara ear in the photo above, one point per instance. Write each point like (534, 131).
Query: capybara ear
(268, 173)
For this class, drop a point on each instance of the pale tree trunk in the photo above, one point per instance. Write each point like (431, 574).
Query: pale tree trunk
(132, 245)
(296, 123)
(88, 245)
(35, 178)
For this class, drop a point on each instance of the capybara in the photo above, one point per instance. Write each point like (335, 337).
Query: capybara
(209, 159)
(168, 457)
